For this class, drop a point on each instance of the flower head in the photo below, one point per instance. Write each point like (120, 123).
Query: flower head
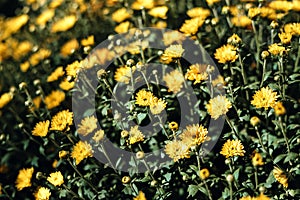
(123, 74)
(123, 27)
(144, 98)
(42, 194)
(41, 128)
(125, 179)
(62, 120)
(193, 135)
(226, 53)
(64, 24)
(56, 74)
(159, 12)
(174, 81)
(56, 178)
(280, 177)
(81, 151)
(232, 148)
(174, 51)
(254, 121)
(66, 85)
(5, 99)
(135, 135)
(285, 38)
(204, 173)
(87, 125)
(264, 98)
(120, 15)
(98, 136)
(88, 41)
(197, 73)
(198, 12)
(54, 99)
(157, 106)
(190, 26)
(24, 178)
(69, 47)
(140, 196)
(177, 149)
(218, 106)
(275, 49)
(257, 159)
(279, 109)
(173, 126)
(73, 68)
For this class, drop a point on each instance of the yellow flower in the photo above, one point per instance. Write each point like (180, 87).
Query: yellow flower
(170, 37)
(140, 4)
(292, 28)
(211, 2)
(44, 17)
(42, 194)
(55, 163)
(281, 5)
(135, 135)
(173, 126)
(160, 24)
(123, 27)
(218, 106)
(88, 41)
(58, 72)
(73, 68)
(81, 151)
(173, 51)
(279, 109)
(241, 21)
(42, 54)
(98, 136)
(276, 49)
(62, 154)
(64, 24)
(204, 174)
(232, 148)
(66, 85)
(56, 178)
(262, 197)
(24, 178)
(25, 66)
(176, 150)
(219, 81)
(13, 25)
(257, 160)
(124, 133)
(254, 121)
(253, 12)
(144, 98)
(0, 189)
(22, 50)
(5, 99)
(140, 196)
(285, 38)
(264, 98)
(198, 12)
(194, 134)
(280, 177)
(54, 99)
(125, 179)
(62, 120)
(55, 3)
(246, 198)
(234, 39)
(123, 74)
(135, 47)
(159, 12)
(140, 155)
(69, 47)
(226, 53)
(157, 106)
(190, 26)
(41, 128)
(87, 125)
(120, 15)
(174, 81)
(197, 73)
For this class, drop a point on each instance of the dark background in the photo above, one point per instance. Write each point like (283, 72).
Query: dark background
(8, 7)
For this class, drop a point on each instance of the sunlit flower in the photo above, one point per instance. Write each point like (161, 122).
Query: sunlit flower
(140, 4)
(204, 173)
(62, 154)
(24, 178)
(66, 85)
(275, 49)
(198, 12)
(262, 197)
(13, 25)
(226, 53)
(174, 81)
(281, 5)
(140, 196)
(160, 24)
(125, 179)
(264, 98)
(42, 194)
(87, 125)
(159, 12)
(41, 128)
(218, 106)
(120, 15)
(285, 38)
(124, 133)
(56, 178)
(56, 74)
(157, 106)
(279, 109)
(144, 98)
(246, 198)
(257, 160)
(81, 151)
(176, 150)
(254, 121)
(292, 28)
(73, 68)
(253, 12)
(54, 99)
(98, 136)
(135, 135)
(45, 16)
(173, 126)
(136, 47)
(64, 24)
(5, 99)
(62, 120)
(24, 66)
(194, 134)
(232, 148)
(197, 73)
(88, 41)
(69, 47)
(280, 177)
(190, 26)
(123, 27)
(173, 51)
(241, 21)
(211, 2)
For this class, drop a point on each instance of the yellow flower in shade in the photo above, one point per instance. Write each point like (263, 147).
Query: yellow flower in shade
(24, 178)
(204, 173)
(64, 24)
(198, 12)
(62, 154)
(160, 24)
(56, 178)
(171, 37)
(174, 81)
(212, 2)
(120, 15)
(226, 53)
(41, 128)
(219, 81)
(241, 21)
(125, 179)
(144, 98)
(22, 50)
(264, 98)
(5, 99)
(123, 27)
(135, 47)
(232, 148)
(140, 4)
(55, 163)
(190, 26)
(197, 73)
(0, 189)
(234, 39)
(88, 41)
(140, 196)
(42, 54)
(194, 134)
(285, 38)
(254, 121)
(173, 51)
(253, 12)
(56, 74)
(98, 136)
(62, 120)
(66, 85)
(42, 194)
(159, 12)
(275, 49)
(280, 177)
(13, 25)
(25, 66)
(257, 160)
(81, 151)
(135, 135)
(87, 125)
(279, 109)
(218, 106)
(176, 150)
(54, 99)
(157, 106)
(69, 47)
(292, 28)
(73, 68)
(123, 74)
(44, 17)
(173, 126)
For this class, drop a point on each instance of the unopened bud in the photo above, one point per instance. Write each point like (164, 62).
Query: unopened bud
(229, 178)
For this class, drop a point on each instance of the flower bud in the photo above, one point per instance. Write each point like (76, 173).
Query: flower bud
(153, 183)
(22, 85)
(140, 155)
(254, 121)
(229, 178)
(126, 179)
(265, 54)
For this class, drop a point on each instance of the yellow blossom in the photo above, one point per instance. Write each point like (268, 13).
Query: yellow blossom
(194, 134)
(56, 178)
(55, 3)
(280, 177)
(45, 16)
(81, 151)
(211, 2)
(176, 150)
(125, 179)
(64, 24)
(264, 98)
(73, 68)
(254, 121)
(13, 25)
(42, 194)
(140, 196)
(285, 38)
(226, 53)
(120, 15)
(174, 81)
(275, 49)
(281, 5)
(54, 99)
(41, 128)
(135, 135)
(25, 66)
(87, 125)
(69, 47)
(197, 73)
(171, 37)
(234, 39)
(190, 26)
(218, 106)
(219, 81)
(241, 21)
(40, 55)
(58, 72)
(22, 50)
(279, 109)
(62, 154)
(98, 136)
(159, 12)
(62, 120)
(140, 4)
(123, 27)
(292, 28)
(257, 160)
(204, 173)
(88, 41)
(66, 85)
(24, 178)
(232, 148)
(144, 98)
(157, 106)
(123, 74)
(198, 12)
(5, 99)
(173, 126)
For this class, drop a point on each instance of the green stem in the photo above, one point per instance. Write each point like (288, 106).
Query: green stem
(256, 177)
(107, 157)
(284, 134)
(71, 191)
(263, 73)
(230, 191)
(244, 75)
(282, 76)
(298, 56)
(233, 129)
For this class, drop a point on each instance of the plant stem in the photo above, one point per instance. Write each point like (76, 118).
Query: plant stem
(230, 190)
(256, 178)
(298, 56)
(71, 191)
(282, 76)
(284, 134)
(107, 157)
(233, 129)
(244, 75)
(263, 73)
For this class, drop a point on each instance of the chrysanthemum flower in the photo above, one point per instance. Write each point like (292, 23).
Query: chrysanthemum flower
(257, 160)
(5, 99)
(56, 74)
(232, 148)
(280, 177)
(69, 47)
(42, 194)
(171, 37)
(234, 39)
(264, 98)
(211, 2)
(135, 135)
(173, 51)
(54, 99)
(198, 12)
(120, 15)
(81, 151)
(73, 68)
(56, 178)
(194, 134)
(88, 41)
(173, 126)
(204, 173)
(66, 85)
(292, 28)
(174, 81)
(159, 12)
(98, 136)
(285, 38)
(24, 178)
(140, 4)
(123, 27)
(190, 26)
(64, 24)
(123, 74)
(62, 120)
(226, 53)
(157, 106)
(176, 150)
(144, 98)
(218, 106)
(241, 21)
(87, 125)
(197, 73)
(45, 16)
(279, 109)
(140, 196)
(254, 121)
(275, 49)
(41, 128)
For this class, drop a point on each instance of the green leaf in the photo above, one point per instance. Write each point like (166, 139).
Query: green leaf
(236, 174)
(290, 156)
(141, 117)
(279, 158)
(192, 190)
